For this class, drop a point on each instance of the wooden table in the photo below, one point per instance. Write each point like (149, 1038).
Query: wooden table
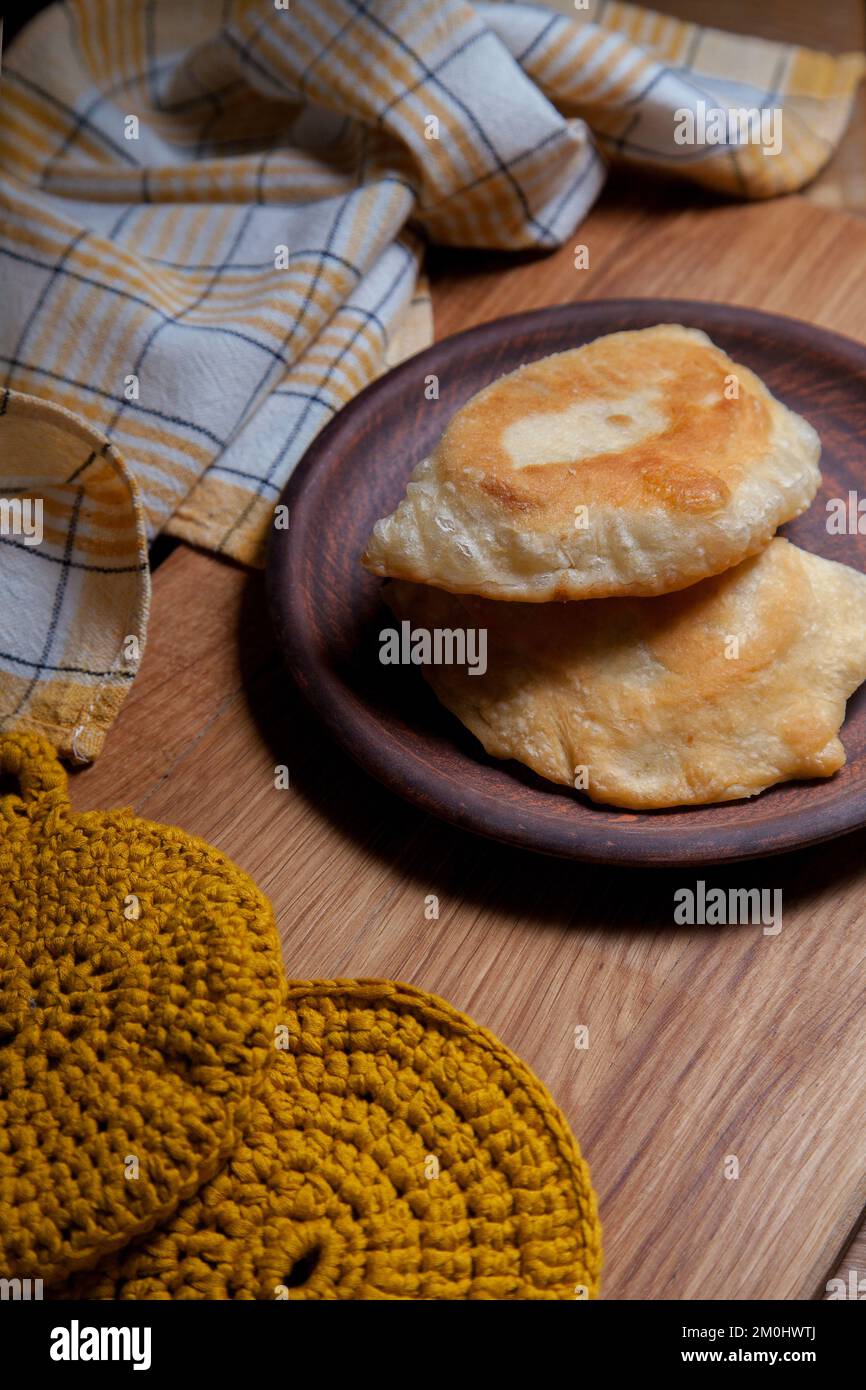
(703, 1043)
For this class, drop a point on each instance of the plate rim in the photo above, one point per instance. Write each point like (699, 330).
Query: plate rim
(432, 791)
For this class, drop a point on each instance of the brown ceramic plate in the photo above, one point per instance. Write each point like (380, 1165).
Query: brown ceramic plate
(328, 612)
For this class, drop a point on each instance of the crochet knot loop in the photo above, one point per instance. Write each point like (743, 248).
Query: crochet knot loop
(32, 762)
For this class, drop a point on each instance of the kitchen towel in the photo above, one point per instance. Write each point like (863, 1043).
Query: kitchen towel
(212, 225)
(74, 577)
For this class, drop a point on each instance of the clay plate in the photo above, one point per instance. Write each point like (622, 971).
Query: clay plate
(328, 613)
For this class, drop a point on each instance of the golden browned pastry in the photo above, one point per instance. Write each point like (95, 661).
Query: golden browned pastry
(637, 464)
(710, 694)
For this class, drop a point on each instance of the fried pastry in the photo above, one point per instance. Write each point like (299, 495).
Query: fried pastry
(635, 465)
(710, 694)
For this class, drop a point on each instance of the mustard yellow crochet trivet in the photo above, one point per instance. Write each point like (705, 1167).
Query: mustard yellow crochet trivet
(396, 1151)
(140, 985)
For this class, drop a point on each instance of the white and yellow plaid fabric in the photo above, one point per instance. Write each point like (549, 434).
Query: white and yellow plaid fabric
(75, 583)
(212, 222)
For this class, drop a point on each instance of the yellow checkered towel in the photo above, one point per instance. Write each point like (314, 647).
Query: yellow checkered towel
(212, 218)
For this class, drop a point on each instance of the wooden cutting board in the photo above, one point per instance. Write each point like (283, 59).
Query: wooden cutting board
(705, 1044)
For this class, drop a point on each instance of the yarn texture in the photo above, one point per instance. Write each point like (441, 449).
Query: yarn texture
(140, 985)
(396, 1151)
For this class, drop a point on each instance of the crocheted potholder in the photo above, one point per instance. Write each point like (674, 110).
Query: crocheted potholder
(140, 984)
(396, 1151)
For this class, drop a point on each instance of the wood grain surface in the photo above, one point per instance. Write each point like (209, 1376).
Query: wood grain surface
(328, 611)
(704, 1043)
